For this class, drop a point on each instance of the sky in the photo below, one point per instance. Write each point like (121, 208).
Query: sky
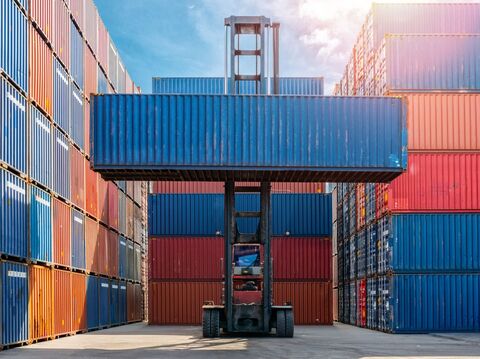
(186, 37)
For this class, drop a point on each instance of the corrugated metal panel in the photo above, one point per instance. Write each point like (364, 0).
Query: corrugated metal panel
(129, 218)
(13, 215)
(215, 85)
(443, 302)
(112, 64)
(77, 177)
(102, 254)
(113, 253)
(61, 233)
(138, 302)
(102, 200)
(104, 301)
(14, 43)
(87, 128)
(102, 84)
(372, 314)
(129, 188)
(61, 96)
(122, 301)
(353, 302)
(130, 260)
(40, 86)
(130, 302)
(91, 67)
(312, 301)
(335, 304)
(91, 190)
(14, 294)
(76, 56)
(77, 8)
(174, 303)
(13, 110)
(138, 225)
(92, 302)
(78, 239)
(339, 134)
(62, 303)
(334, 268)
(361, 253)
(41, 13)
(122, 212)
(40, 225)
(122, 257)
(372, 245)
(40, 302)
(91, 245)
(138, 262)
(77, 125)
(121, 77)
(218, 187)
(61, 32)
(202, 214)
(40, 147)
(61, 164)
(103, 45)
(79, 302)
(114, 302)
(362, 303)
(91, 20)
(429, 63)
(113, 205)
(437, 182)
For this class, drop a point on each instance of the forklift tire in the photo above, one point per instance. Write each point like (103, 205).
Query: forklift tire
(211, 323)
(289, 323)
(281, 324)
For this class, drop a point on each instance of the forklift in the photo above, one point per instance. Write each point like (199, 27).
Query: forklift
(247, 294)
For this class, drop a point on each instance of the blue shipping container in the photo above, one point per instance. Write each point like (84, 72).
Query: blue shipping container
(130, 260)
(13, 215)
(76, 55)
(202, 214)
(122, 302)
(13, 127)
(92, 302)
(206, 137)
(104, 301)
(14, 297)
(14, 43)
(424, 303)
(40, 147)
(372, 249)
(372, 314)
(361, 253)
(102, 82)
(61, 96)
(61, 164)
(215, 85)
(77, 122)
(122, 257)
(352, 243)
(114, 302)
(78, 239)
(40, 225)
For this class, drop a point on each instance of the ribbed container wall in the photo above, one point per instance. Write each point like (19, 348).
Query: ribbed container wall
(40, 148)
(78, 239)
(61, 32)
(77, 178)
(92, 302)
(62, 303)
(79, 302)
(40, 302)
(61, 96)
(40, 225)
(61, 213)
(61, 165)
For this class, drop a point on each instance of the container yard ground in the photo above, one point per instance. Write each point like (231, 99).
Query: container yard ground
(338, 341)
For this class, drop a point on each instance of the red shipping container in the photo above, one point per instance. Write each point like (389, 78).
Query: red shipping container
(62, 292)
(131, 311)
(90, 74)
(103, 44)
(217, 187)
(360, 205)
(40, 72)
(312, 301)
(86, 118)
(40, 302)
(361, 303)
(113, 253)
(91, 189)
(113, 205)
(102, 252)
(443, 121)
(439, 182)
(41, 12)
(91, 245)
(129, 219)
(61, 32)
(61, 233)
(77, 177)
(77, 8)
(173, 303)
(102, 200)
(138, 302)
(79, 302)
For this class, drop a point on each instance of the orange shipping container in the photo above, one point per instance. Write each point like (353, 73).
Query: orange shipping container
(77, 8)
(77, 177)
(130, 302)
(102, 251)
(217, 187)
(41, 12)
(112, 205)
(40, 72)
(102, 200)
(61, 233)
(91, 188)
(113, 253)
(91, 245)
(40, 302)
(138, 302)
(62, 288)
(79, 304)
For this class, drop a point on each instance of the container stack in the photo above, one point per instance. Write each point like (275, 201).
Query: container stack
(186, 249)
(66, 263)
(408, 251)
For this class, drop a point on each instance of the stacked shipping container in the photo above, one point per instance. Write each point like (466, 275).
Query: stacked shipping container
(408, 251)
(56, 222)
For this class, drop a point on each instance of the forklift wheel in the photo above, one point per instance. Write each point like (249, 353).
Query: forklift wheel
(285, 326)
(281, 323)
(211, 323)
(289, 323)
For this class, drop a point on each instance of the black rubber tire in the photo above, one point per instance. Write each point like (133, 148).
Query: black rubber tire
(281, 323)
(215, 323)
(206, 324)
(289, 323)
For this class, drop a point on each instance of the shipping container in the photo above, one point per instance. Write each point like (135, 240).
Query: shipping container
(202, 214)
(373, 126)
(361, 254)
(77, 177)
(102, 207)
(14, 294)
(40, 302)
(312, 301)
(14, 43)
(77, 124)
(40, 148)
(371, 250)
(103, 251)
(137, 259)
(352, 255)
(353, 302)
(102, 85)
(335, 304)
(138, 232)
(61, 233)
(129, 188)
(91, 67)
(130, 302)
(76, 55)
(372, 314)
(91, 190)
(370, 202)
(61, 164)
(78, 239)
(362, 303)
(62, 303)
(61, 32)
(40, 86)
(122, 213)
(92, 302)
(77, 8)
(130, 260)
(122, 302)
(91, 20)
(92, 246)
(138, 302)
(113, 209)
(13, 215)
(122, 257)
(86, 130)
(104, 301)
(173, 303)
(129, 217)
(113, 252)
(103, 47)
(440, 182)
(13, 130)
(114, 302)
(79, 302)
(112, 63)
(121, 86)
(216, 85)
(40, 225)
(61, 96)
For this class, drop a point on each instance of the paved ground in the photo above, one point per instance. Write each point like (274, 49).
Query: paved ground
(339, 341)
